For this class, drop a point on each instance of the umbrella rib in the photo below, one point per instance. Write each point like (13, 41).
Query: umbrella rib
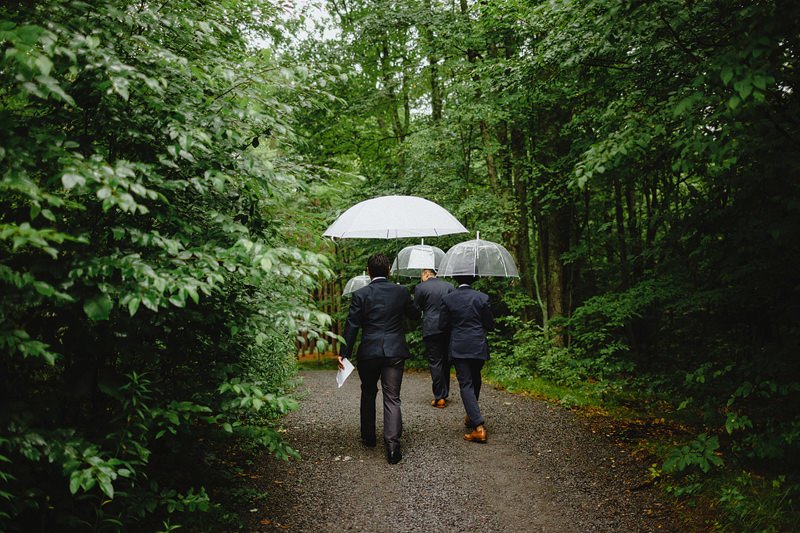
(503, 262)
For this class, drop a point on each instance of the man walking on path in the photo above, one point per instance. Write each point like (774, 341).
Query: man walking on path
(428, 299)
(377, 311)
(467, 315)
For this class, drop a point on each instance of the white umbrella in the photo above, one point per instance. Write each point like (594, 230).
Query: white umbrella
(411, 260)
(478, 258)
(393, 217)
(353, 284)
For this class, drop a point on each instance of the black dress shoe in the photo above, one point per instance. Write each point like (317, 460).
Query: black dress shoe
(369, 443)
(393, 456)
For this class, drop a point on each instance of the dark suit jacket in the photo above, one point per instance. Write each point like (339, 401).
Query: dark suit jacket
(467, 315)
(428, 299)
(377, 310)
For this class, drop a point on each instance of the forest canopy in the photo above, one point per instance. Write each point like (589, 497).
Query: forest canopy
(167, 170)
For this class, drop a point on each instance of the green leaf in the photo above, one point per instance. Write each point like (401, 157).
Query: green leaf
(99, 307)
(744, 88)
(44, 65)
(72, 180)
(726, 75)
(193, 293)
(29, 34)
(74, 482)
(106, 486)
(683, 105)
(133, 305)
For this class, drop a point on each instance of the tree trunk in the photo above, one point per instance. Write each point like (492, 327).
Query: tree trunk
(491, 167)
(504, 153)
(623, 248)
(557, 229)
(520, 171)
(398, 128)
(436, 92)
(633, 228)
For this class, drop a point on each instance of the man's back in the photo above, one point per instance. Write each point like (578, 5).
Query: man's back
(377, 310)
(428, 298)
(466, 313)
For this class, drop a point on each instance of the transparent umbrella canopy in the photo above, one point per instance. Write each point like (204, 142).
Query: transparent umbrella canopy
(353, 284)
(478, 258)
(411, 260)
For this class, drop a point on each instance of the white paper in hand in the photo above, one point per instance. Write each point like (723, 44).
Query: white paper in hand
(342, 374)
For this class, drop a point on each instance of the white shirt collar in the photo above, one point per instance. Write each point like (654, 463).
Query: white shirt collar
(377, 278)
(464, 285)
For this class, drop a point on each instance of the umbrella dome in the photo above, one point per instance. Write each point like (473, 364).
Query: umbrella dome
(353, 284)
(411, 260)
(478, 258)
(392, 217)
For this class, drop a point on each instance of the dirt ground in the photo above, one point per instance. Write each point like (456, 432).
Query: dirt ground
(544, 468)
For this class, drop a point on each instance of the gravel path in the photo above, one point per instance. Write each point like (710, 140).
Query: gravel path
(543, 469)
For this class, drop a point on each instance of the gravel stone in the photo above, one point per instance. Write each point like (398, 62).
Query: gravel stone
(543, 469)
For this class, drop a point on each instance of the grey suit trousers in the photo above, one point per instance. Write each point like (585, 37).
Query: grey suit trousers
(390, 373)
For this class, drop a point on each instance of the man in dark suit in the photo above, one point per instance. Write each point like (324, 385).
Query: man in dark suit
(377, 311)
(467, 316)
(428, 299)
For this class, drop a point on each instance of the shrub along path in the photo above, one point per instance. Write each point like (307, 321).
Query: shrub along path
(543, 469)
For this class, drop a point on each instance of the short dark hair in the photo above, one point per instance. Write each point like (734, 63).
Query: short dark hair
(469, 280)
(378, 265)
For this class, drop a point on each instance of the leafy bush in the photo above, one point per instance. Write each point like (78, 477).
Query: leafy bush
(700, 452)
(530, 353)
(149, 297)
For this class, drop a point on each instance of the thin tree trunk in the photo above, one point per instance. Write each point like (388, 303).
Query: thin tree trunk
(633, 228)
(623, 249)
(433, 69)
(491, 167)
(520, 171)
(504, 152)
(557, 243)
(398, 128)
(436, 92)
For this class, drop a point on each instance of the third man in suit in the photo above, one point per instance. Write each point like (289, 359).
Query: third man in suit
(467, 316)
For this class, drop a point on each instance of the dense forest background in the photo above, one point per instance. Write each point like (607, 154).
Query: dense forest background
(167, 170)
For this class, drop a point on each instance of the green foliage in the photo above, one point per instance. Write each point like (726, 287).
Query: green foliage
(700, 453)
(151, 276)
(532, 353)
(757, 504)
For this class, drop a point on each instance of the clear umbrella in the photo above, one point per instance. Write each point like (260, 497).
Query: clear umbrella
(411, 260)
(392, 217)
(478, 258)
(353, 284)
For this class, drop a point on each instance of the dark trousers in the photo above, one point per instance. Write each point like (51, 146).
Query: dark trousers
(436, 348)
(468, 373)
(390, 372)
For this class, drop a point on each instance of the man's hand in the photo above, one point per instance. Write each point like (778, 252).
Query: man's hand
(341, 363)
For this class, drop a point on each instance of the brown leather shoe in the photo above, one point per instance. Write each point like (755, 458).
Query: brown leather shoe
(440, 403)
(478, 435)
(467, 422)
